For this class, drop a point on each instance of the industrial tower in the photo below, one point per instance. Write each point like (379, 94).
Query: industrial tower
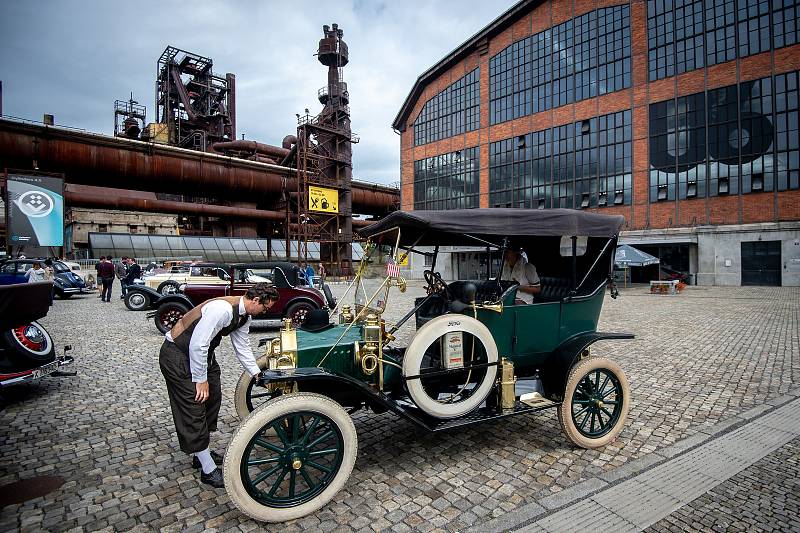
(325, 165)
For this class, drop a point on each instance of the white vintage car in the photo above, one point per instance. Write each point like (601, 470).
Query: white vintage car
(171, 281)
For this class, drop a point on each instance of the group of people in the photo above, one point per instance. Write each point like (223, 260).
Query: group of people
(126, 271)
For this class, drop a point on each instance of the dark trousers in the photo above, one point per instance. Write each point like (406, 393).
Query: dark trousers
(107, 284)
(193, 421)
(123, 286)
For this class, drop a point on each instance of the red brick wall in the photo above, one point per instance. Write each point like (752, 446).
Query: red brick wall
(754, 207)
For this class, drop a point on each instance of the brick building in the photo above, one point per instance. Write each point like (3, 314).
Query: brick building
(681, 115)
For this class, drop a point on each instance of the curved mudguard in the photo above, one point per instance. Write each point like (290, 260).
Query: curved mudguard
(555, 371)
(153, 295)
(179, 298)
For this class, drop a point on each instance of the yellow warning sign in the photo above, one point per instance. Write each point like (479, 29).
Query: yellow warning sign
(323, 200)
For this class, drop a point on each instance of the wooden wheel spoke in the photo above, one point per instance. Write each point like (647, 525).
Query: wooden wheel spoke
(277, 483)
(256, 462)
(319, 467)
(310, 430)
(321, 438)
(271, 447)
(322, 452)
(307, 478)
(264, 475)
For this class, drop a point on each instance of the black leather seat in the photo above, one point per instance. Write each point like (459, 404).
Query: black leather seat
(553, 289)
(485, 291)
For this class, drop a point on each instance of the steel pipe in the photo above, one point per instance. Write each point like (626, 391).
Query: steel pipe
(92, 159)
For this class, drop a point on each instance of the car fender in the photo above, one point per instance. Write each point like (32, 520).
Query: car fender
(177, 298)
(154, 296)
(310, 294)
(555, 371)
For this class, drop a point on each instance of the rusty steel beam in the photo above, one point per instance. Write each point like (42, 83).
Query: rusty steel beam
(93, 159)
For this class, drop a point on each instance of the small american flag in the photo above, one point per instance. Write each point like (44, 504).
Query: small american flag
(392, 269)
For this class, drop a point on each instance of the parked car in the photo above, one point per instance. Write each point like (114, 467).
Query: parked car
(65, 282)
(169, 282)
(478, 354)
(148, 292)
(27, 351)
(295, 300)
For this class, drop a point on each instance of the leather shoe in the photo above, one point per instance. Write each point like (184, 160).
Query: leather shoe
(214, 455)
(214, 478)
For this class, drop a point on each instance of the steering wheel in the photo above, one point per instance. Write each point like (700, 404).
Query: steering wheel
(436, 284)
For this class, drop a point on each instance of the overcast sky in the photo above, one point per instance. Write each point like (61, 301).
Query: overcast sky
(74, 58)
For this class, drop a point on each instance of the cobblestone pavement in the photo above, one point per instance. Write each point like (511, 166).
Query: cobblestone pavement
(699, 358)
(764, 497)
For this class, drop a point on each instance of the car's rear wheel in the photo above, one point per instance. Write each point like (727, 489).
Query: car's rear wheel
(596, 402)
(169, 287)
(168, 315)
(289, 457)
(298, 312)
(29, 346)
(136, 301)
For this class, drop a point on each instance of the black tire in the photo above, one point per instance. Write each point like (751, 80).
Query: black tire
(169, 287)
(168, 314)
(298, 312)
(29, 346)
(137, 301)
(328, 296)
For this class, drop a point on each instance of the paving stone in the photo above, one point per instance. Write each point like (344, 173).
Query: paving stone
(700, 362)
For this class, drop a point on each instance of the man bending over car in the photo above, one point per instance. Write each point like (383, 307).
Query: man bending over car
(192, 374)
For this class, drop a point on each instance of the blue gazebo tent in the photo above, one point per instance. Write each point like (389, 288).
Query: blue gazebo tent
(628, 256)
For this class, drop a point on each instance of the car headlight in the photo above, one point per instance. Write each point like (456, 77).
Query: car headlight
(182, 287)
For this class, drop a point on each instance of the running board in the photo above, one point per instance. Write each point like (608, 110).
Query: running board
(536, 400)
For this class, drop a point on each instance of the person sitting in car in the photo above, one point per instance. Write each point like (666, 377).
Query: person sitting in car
(516, 268)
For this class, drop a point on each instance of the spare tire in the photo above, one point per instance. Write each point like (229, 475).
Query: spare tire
(424, 394)
(168, 315)
(29, 346)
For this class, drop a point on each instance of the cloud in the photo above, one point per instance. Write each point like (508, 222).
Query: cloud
(74, 58)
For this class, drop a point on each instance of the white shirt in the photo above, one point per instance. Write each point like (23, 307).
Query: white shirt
(215, 316)
(523, 273)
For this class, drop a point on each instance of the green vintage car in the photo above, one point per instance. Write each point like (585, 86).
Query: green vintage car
(478, 353)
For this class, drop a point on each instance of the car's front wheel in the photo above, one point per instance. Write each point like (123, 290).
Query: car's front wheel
(168, 315)
(136, 301)
(596, 402)
(289, 457)
(248, 395)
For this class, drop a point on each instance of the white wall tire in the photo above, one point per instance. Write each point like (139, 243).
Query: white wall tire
(590, 381)
(244, 388)
(427, 335)
(281, 412)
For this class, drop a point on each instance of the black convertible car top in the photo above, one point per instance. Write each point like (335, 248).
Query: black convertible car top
(448, 227)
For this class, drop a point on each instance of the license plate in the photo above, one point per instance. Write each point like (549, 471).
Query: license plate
(45, 370)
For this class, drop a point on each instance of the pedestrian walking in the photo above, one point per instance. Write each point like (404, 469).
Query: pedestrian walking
(49, 275)
(192, 374)
(310, 275)
(121, 272)
(97, 268)
(321, 271)
(105, 271)
(134, 271)
(36, 274)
